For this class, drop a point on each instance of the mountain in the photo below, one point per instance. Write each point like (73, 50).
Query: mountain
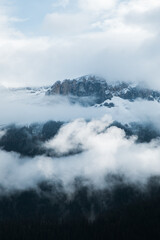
(113, 191)
(99, 90)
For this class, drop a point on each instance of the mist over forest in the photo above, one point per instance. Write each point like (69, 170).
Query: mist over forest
(79, 119)
(90, 173)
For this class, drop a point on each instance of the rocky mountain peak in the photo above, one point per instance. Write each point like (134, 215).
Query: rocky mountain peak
(85, 86)
(97, 87)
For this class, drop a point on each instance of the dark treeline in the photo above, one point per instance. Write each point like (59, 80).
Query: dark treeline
(145, 132)
(28, 140)
(120, 211)
(123, 211)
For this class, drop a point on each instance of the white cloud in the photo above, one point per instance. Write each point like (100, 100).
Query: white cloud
(62, 24)
(22, 107)
(106, 151)
(118, 40)
(94, 5)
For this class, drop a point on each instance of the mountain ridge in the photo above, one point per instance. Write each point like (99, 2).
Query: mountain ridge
(97, 87)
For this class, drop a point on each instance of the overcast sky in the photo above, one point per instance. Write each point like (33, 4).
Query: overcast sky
(42, 41)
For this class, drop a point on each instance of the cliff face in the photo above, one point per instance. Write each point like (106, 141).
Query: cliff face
(92, 86)
(82, 87)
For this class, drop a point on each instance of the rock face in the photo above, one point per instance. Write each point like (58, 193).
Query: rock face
(92, 86)
(82, 87)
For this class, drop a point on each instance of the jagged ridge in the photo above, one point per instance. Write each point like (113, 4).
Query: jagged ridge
(93, 86)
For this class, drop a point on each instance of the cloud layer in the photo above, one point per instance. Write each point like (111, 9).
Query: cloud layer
(26, 107)
(105, 151)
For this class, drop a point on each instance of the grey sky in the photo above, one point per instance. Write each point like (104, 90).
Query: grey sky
(43, 41)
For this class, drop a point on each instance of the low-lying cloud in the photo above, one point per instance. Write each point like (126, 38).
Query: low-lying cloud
(25, 107)
(105, 151)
